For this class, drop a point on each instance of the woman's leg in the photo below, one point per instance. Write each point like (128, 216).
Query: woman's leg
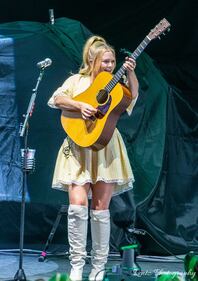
(77, 229)
(100, 228)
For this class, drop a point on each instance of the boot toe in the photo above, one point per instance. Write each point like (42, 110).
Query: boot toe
(75, 275)
(96, 275)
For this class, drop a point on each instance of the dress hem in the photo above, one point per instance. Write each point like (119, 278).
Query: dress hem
(63, 186)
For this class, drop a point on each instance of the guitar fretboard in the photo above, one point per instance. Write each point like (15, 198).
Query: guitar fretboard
(118, 75)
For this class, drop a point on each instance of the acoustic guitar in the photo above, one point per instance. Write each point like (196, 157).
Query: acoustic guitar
(109, 97)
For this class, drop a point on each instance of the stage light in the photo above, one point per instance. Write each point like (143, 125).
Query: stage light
(191, 266)
(60, 277)
(129, 263)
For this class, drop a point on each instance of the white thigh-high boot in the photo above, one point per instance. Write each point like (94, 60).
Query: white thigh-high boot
(77, 237)
(100, 232)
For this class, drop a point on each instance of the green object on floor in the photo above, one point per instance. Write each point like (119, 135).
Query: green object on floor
(168, 277)
(191, 266)
(60, 277)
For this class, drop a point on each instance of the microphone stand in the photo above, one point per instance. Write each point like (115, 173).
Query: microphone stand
(27, 167)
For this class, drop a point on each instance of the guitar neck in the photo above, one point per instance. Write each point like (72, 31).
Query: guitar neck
(118, 75)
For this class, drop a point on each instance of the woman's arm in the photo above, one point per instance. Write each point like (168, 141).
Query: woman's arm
(133, 83)
(68, 104)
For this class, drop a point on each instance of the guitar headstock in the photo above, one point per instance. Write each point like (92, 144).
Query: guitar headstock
(159, 29)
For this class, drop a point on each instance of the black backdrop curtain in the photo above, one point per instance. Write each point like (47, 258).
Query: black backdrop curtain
(169, 213)
(161, 135)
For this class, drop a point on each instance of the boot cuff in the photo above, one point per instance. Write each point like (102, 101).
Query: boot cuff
(100, 215)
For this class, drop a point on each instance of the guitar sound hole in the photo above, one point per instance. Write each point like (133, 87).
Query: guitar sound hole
(102, 96)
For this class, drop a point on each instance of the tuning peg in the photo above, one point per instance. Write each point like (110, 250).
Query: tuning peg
(168, 29)
(159, 37)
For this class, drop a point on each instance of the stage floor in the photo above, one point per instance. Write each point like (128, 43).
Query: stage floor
(43, 271)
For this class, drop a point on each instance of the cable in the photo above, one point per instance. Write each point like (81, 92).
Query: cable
(146, 232)
(137, 231)
(157, 259)
(11, 251)
(31, 252)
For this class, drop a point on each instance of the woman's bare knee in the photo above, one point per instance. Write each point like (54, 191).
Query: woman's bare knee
(78, 195)
(101, 196)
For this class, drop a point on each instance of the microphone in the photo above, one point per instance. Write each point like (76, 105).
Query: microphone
(44, 63)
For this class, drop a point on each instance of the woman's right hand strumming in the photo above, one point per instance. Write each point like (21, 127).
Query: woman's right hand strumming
(87, 110)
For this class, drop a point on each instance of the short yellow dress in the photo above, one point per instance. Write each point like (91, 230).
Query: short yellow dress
(79, 165)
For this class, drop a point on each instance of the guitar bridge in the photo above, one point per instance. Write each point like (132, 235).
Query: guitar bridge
(99, 114)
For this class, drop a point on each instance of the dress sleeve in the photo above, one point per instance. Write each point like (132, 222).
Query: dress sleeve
(65, 89)
(133, 102)
(131, 106)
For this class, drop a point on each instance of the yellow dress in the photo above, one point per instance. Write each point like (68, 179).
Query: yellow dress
(78, 165)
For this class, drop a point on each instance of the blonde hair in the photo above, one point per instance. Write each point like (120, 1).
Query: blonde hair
(93, 51)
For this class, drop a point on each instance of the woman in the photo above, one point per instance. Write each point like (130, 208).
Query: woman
(81, 170)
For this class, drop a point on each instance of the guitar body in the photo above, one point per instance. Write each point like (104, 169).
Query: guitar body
(96, 133)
